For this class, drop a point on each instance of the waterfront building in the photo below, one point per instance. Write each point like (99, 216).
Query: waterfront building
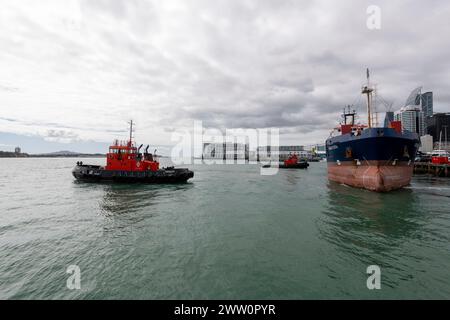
(427, 103)
(319, 150)
(424, 100)
(226, 151)
(437, 123)
(412, 118)
(414, 97)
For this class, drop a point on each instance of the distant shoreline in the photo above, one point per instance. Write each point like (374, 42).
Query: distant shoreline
(6, 154)
(81, 155)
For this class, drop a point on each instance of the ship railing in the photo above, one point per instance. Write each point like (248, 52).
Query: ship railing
(123, 143)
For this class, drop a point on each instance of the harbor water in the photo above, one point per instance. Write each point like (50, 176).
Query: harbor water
(228, 233)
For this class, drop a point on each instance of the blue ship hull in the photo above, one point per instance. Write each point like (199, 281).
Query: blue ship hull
(379, 159)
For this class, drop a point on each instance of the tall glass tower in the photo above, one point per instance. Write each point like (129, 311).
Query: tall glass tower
(427, 103)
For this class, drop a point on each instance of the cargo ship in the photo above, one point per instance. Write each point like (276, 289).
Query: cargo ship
(125, 163)
(365, 156)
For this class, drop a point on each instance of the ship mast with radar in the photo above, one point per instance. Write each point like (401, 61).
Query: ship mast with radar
(131, 132)
(131, 129)
(367, 90)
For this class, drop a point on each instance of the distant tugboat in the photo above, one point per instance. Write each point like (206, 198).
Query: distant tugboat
(291, 163)
(375, 158)
(124, 163)
(294, 163)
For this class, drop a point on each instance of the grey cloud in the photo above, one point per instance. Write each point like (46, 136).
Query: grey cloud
(61, 136)
(8, 88)
(289, 64)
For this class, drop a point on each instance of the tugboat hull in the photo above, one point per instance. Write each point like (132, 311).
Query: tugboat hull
(299, 165)
(97, 174)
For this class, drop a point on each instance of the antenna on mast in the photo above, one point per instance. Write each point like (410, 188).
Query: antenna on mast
(375, 102)
(131, 130)
(446, 142)
(368, 91)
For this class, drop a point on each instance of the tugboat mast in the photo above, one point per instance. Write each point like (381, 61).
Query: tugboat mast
(368, 91)
(131, 129)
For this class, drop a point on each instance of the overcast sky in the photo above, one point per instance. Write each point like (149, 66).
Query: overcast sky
(74, 71)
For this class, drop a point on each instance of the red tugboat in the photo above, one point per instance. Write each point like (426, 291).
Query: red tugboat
(125, 163)
(294, 163)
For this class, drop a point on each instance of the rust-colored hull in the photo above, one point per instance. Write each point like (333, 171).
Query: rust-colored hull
(380, 176)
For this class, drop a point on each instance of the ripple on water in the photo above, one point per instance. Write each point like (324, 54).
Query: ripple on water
(230, 233)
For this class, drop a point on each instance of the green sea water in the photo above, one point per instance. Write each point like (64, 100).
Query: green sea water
(229, 233)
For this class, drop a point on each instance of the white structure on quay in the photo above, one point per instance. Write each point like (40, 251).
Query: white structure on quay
(426, 142)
